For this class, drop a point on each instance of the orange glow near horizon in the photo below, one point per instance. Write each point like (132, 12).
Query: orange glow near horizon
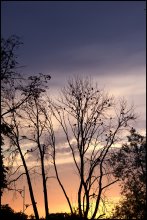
(56, 200)
(54, 207)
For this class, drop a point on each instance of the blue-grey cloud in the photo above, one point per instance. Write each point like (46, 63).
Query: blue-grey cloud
(105, 40)
(74, 36)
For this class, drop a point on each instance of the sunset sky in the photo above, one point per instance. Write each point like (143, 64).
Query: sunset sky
(101, 39)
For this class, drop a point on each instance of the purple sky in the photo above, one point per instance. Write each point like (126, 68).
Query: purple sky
(104, 40)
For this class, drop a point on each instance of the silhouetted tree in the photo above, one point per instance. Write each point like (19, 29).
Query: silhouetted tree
(28, 125)
(3, 169)
(8, 74)
(10, 77)
(92, 126)
(33, 114)
(13, 96)
(129, 164)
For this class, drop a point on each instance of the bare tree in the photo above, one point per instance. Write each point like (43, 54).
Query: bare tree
(11, 83)
(96, 123)
(26, 120)
(36, 120)
(15, 149)
(19, 96)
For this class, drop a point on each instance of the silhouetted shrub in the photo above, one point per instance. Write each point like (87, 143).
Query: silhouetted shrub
(65, 216)
(8, 213)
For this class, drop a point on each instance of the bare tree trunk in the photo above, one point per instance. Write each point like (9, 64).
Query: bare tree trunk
(42, 154)
(61, 185)
(44, 188)
(52, 143)
(100, 192)
(29, 184)
(79, 200)
(26, 171)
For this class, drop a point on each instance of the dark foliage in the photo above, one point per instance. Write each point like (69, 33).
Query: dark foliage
(3, 169)
(8, 73)
(9, 214)
(65, 216)
(8, 58)
(61, 216)
(130, 166)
